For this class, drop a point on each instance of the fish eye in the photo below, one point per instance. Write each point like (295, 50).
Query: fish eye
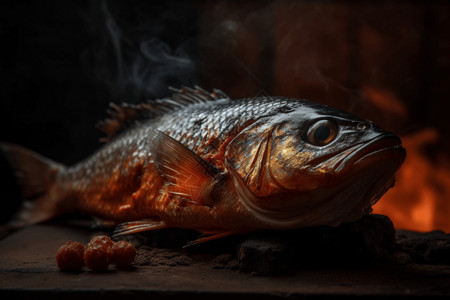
(322, 132)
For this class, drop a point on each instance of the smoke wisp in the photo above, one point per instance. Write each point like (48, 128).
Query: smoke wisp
(137, 51)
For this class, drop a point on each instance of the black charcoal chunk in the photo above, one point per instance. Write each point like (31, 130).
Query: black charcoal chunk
(426, 248)
(265, 256)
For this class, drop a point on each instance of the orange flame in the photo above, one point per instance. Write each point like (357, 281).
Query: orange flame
(419, 201)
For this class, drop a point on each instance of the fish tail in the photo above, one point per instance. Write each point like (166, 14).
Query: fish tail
(37, 177)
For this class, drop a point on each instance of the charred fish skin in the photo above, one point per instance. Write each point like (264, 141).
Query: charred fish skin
(203, 161)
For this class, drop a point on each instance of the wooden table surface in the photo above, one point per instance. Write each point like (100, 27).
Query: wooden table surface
(28, 270)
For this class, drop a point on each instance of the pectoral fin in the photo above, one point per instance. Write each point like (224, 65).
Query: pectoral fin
(188, 176)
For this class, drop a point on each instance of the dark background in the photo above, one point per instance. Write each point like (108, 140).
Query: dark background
(62, 62)
(61, 66)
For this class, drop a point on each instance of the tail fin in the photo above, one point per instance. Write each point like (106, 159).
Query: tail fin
(37, 177)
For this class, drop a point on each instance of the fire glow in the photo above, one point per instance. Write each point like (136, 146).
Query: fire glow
(419, 199)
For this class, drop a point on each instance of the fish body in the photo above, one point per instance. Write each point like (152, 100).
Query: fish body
(203, 161)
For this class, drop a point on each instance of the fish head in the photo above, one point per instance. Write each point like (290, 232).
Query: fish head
(313, 165)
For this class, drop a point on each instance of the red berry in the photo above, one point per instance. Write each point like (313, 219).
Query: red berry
(124, 254)
(102, 239)
(70, 256)
(98, 256)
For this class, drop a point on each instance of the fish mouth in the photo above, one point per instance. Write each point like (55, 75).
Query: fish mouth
(383, 148)
(383, 156)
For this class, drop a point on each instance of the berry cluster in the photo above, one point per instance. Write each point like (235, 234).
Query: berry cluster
(98, 254)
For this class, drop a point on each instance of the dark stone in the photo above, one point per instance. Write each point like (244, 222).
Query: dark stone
(369, 240)
(430, 248)
(375, 236)
(265, 256)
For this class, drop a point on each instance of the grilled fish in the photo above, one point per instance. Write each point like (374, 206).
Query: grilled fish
(202, 161)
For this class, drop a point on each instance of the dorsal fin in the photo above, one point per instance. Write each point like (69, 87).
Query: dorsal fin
(123, 115)
(187, 95)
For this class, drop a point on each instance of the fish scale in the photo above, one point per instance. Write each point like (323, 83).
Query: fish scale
(225, 117)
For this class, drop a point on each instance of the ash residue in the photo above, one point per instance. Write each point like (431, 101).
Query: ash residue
(225, 261)
(148, 256)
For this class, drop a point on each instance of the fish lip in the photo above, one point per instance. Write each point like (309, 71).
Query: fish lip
(387, 146)
(383, 147)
